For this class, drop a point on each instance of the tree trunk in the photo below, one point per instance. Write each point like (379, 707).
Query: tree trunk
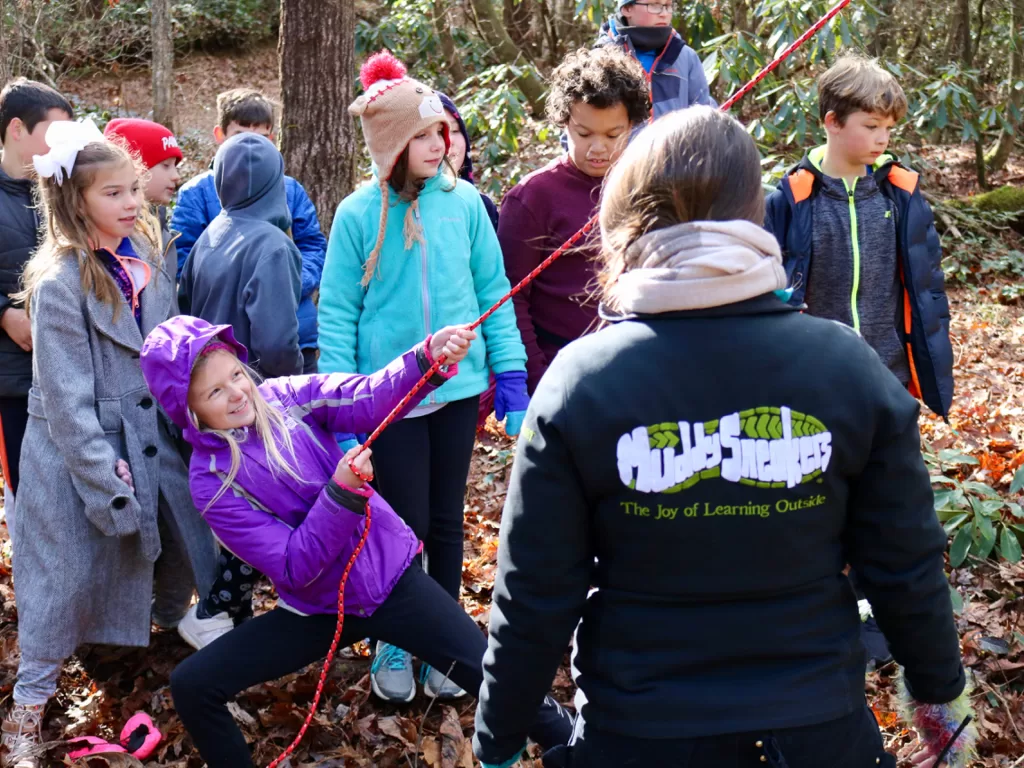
(163, 63)
(965, 30)
(741, 16)
(443, 25)
(506, 52)
(5, 69)
(884, 30)
(1000, 153)
(318, 136)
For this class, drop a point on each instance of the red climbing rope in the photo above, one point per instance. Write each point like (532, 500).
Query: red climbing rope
(815, 28)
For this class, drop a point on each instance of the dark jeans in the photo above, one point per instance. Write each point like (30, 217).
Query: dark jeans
(310, 360)
(417, 616)
(849, 742)
(421, 466)
(14, 415)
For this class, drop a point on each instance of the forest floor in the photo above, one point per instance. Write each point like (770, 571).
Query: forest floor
(101, 687)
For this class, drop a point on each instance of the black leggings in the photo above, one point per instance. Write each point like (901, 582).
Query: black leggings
(849, 742)
(421, 466)
(417, 616)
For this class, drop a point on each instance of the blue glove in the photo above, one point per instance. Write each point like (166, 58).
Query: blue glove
(511, 400)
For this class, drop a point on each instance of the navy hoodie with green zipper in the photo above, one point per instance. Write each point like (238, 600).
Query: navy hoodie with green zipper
(867, 255)
(687, 490)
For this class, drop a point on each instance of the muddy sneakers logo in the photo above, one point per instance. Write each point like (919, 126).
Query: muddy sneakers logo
(760, 447)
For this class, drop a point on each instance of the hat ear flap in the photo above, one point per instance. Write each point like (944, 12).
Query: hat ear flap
(358, 107)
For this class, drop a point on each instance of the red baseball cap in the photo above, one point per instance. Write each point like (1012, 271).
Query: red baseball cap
(151, 140)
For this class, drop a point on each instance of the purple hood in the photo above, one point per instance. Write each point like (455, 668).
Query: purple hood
(295, 530)
(169, 354)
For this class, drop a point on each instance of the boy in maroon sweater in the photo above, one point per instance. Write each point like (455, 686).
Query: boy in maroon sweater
(598, 97)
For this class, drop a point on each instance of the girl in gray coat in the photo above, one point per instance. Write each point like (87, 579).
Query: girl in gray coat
(103, 512)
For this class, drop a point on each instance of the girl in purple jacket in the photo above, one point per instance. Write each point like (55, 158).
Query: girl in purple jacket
(269, 478)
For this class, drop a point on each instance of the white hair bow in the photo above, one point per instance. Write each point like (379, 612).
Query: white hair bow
(65, 140)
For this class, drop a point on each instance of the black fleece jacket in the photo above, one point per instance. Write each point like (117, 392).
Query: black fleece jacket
(722, 466)
(19, 237)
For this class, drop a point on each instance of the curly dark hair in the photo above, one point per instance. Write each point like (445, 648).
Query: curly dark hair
(602, 78)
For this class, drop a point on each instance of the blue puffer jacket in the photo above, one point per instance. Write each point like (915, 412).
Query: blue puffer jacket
(198, 205)
(924, 315)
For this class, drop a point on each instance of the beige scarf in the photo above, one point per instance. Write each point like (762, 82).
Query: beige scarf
(698, 265)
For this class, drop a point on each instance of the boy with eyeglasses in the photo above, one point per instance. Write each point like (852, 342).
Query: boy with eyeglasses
(674, 70)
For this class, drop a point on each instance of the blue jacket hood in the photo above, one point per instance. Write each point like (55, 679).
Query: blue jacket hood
(249, 175)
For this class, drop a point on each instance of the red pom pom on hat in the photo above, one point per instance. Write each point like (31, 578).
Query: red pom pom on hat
(381, 66)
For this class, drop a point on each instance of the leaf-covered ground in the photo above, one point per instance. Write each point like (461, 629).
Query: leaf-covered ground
(101, 686)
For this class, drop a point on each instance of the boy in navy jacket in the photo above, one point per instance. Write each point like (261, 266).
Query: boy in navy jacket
(243, 110)
(858, 238)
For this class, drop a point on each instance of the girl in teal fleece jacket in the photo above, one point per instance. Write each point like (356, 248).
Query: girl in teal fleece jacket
(407, 255)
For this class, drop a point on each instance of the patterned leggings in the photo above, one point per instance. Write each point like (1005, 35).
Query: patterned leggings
(231, 593)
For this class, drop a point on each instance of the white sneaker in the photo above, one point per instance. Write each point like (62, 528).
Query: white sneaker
(199, 633)
(22, 735)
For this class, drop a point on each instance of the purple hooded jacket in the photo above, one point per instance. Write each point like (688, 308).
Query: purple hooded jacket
(297, 533)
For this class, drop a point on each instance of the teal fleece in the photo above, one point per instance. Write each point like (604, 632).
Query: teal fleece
(451, 280)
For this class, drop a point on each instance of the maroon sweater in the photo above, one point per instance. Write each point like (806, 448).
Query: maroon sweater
(539, 214)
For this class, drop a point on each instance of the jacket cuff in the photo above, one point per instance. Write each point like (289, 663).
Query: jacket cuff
(504, 366)
(426, 362)
(352, 499)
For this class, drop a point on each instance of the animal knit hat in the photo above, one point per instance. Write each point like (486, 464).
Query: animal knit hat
(393, 109)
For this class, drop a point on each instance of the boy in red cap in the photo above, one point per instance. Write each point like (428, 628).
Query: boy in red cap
(160, 153)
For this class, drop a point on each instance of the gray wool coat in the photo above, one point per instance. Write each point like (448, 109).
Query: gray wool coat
(84, 546)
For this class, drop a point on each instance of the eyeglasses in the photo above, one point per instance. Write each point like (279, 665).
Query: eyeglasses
(656, 8)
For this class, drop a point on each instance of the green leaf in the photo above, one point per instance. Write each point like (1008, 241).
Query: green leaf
(953, 456)
(1018, 481)
(981, 489)
(987, 507)
(957, 600)
(954, 522)
(984, 537)
(961, 543)
(946, 499)
(1009, 546)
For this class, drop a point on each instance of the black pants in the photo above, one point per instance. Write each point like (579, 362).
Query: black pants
(421, 466)
(849, 742)
(417, 616)
(14, 414)
(310, 360)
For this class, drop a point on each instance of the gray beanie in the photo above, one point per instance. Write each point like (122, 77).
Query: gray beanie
(623, 3)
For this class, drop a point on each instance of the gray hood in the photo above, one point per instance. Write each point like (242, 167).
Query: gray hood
(248, 172)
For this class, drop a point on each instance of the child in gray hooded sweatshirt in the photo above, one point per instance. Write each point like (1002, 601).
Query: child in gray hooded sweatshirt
(244, 270)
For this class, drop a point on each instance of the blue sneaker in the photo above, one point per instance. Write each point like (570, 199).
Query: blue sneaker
(391, 675)
(436, 686)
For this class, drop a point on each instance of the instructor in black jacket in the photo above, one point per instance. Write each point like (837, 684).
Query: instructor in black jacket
(711, 462)
(26, 110)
